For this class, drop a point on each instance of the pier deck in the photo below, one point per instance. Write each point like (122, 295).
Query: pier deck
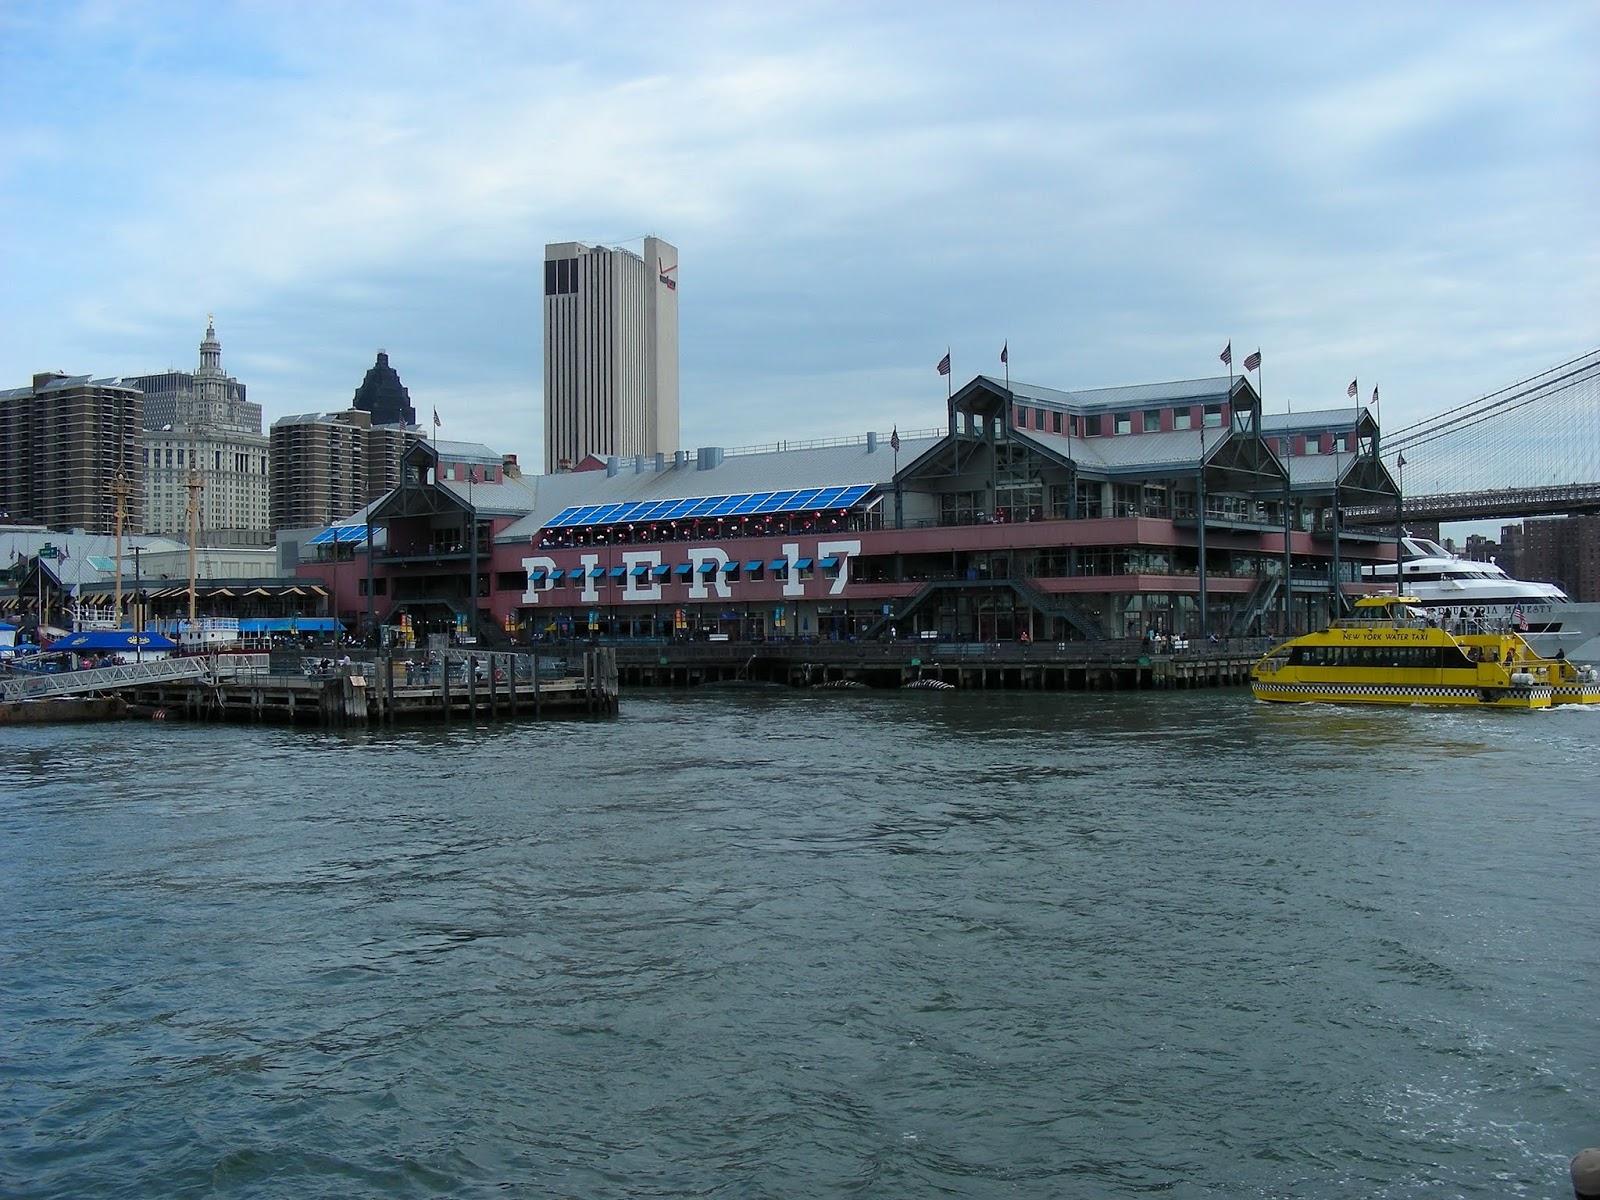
(505, 686)
(1065, 666)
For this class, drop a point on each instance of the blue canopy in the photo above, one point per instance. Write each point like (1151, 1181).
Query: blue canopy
(114, 641)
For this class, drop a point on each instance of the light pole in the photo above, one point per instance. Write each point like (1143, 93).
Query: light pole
(138, 608)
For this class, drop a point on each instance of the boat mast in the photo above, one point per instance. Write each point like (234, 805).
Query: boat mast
(195, 485)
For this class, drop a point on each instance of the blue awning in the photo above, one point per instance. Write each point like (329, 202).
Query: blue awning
(618, 572)
(554, 575)
(641, 570)
(755, 564)
(801, 564)
(728, 568)
(663, 569)
(778, 564)
(597, 573)
(535, 575)
(289, 625)
(708, 568)
(829, 563)
(684, 569)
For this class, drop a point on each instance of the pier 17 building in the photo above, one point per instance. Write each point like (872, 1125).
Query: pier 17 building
(1031, 514)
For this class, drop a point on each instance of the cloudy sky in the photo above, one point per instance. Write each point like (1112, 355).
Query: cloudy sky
(1404, 193)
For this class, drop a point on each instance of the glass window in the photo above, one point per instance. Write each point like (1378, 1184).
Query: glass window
(1213, 416)
(1183, 418)
(1124, 423)
(1152, 420)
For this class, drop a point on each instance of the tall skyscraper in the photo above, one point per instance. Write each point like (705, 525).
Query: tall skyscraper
(610, 351)
(64, 441)
(201, 426)
(383, 395)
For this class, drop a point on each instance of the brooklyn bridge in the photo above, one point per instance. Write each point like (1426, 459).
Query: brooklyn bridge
(1526, 450)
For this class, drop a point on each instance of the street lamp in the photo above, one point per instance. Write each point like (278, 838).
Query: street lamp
(138, 608)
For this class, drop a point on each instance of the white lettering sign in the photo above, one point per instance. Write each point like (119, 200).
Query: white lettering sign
(531, 596)
(844, 551)
(646, 586)
(699, 556)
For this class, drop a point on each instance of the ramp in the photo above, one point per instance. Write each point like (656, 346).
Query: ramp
(103, 679)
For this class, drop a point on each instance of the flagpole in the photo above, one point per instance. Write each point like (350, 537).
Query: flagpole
(1399, 519)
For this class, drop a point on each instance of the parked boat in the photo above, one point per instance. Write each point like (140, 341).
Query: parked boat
(1394, 651)
(1461, 590)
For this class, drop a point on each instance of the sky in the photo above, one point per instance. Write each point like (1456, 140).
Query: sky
(1402, 194)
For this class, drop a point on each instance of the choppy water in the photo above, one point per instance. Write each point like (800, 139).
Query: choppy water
(801, 944)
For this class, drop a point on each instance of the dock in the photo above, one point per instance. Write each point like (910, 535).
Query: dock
(1116, 665)
(456, 685)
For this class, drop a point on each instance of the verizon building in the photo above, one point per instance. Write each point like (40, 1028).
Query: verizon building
(610, 352)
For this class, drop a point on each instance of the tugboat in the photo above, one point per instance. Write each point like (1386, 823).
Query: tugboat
(1390, 651)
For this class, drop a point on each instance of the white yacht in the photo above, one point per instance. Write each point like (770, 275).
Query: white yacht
(1460, 590)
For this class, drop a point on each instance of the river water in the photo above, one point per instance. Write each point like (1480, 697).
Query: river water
(779, 944)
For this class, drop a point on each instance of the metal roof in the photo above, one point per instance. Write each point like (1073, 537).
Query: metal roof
(65, 382)
(1324, 420)
(774, 470)
(1178, 449)
(1139, 395)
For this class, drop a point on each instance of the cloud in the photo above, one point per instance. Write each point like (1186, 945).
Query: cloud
(1115, 191)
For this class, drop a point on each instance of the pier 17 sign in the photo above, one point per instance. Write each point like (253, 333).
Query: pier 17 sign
(638, 574)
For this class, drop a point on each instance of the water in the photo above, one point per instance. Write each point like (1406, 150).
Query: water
(805, 944)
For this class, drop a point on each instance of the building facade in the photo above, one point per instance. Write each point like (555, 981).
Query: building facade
(1560, 550)
(326, 466)
(68, 445)
(610, 352)
(1033, 514)
(203, 444)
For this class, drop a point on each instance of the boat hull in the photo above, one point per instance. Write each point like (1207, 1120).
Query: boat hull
(1393, 651)
(1541, 696)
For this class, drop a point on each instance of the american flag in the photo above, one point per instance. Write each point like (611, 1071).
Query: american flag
(1351, 390)
(894, 439)
(1252, 361)
(944, 364)
(1005, 353)
(1520, 618)
(436, 421)
(1227, 354)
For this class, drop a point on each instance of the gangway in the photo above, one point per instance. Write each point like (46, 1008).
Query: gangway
(104, 679)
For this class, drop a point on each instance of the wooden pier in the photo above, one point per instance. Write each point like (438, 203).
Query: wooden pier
(459, 685)
(1065, 666)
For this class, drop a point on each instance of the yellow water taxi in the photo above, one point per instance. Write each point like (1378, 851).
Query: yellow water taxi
(1390, 652)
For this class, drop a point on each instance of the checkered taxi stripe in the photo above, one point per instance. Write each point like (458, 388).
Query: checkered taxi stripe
(1577, 693)
(1424, 694)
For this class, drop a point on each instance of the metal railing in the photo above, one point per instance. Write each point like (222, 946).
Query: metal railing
(101, 679)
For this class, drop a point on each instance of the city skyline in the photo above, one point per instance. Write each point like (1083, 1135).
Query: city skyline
(1113, 195)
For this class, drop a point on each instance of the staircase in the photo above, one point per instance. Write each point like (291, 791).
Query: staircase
(1260, 599)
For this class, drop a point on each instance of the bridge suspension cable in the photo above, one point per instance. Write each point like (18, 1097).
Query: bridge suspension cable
(1541, 432)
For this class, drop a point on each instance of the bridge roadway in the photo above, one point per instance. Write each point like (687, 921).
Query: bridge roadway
(1507, 504)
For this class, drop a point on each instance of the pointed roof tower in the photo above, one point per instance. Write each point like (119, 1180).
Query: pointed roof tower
(383, 395)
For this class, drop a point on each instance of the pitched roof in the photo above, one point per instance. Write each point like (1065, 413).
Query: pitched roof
(1139, 395)
(831, 465)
